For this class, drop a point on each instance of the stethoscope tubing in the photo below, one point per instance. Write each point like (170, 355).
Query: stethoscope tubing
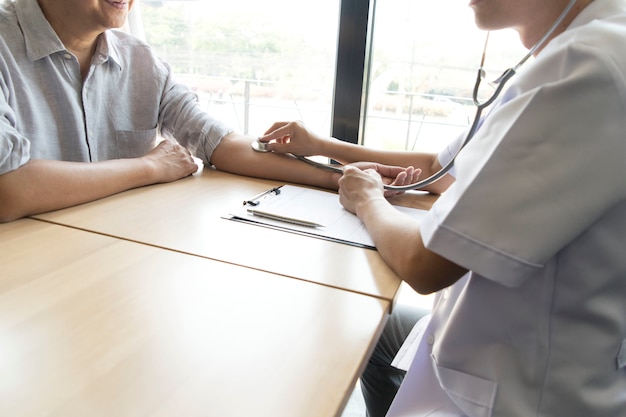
(444, 170)
(500, 82)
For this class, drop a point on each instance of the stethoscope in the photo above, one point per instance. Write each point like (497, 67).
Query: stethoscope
(500, 82)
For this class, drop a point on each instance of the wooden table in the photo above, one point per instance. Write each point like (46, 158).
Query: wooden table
(94, 326)
(186, 216)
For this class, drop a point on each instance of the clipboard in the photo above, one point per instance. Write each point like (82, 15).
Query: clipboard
(310, 212)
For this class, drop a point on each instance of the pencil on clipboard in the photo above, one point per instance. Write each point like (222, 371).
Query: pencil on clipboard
(281, 218)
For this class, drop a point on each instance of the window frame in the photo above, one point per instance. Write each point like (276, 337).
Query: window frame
(356, 19)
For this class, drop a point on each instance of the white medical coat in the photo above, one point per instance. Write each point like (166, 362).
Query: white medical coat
(538, 215)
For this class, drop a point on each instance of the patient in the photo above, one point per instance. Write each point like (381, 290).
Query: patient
(83, 109)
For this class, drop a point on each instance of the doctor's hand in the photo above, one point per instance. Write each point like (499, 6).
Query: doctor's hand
(363, 182)
(358, 187)
(293, 137)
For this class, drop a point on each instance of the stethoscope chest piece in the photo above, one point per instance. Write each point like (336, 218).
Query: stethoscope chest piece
(259, 146)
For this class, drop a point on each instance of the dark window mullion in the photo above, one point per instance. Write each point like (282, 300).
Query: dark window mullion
(349, 77)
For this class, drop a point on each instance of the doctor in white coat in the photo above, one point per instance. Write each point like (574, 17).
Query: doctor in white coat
(527, 248)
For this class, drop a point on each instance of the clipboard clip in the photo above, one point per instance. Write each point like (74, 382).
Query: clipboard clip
(254, 201)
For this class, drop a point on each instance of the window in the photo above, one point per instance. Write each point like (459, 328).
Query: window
(251, 63)
(393, 74)
(424, 60)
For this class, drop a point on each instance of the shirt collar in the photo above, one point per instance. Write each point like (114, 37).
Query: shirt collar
(108, 48)
(41, 40)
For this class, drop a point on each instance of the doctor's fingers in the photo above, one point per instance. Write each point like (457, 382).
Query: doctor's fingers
(355, 179)
(296, 143)
(357, 187)
(276, 126)
(284, 131)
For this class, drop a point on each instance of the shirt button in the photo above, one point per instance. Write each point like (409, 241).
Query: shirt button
(446, 294)
(67, 56)
(430, 340)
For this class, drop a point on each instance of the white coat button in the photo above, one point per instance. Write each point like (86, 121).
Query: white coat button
(67, 56)
(431, 339)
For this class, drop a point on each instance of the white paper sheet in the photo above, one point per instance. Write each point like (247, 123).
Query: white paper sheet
(313, 205)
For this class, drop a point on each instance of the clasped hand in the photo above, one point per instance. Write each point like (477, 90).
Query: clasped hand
(363, 181)
(171, 161)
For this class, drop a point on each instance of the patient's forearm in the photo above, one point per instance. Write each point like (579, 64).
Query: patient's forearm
(41, 185)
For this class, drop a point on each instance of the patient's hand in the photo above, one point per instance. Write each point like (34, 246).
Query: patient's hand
(171, 161)
(392, 175)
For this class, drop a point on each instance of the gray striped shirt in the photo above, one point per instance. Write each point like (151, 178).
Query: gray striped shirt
(126, 100)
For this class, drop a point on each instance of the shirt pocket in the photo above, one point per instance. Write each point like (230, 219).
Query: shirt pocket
(474, 395)
(135, 143)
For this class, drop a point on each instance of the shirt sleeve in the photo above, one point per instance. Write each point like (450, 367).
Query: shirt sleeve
(14, 148)
(539, 172)
(182, 117)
